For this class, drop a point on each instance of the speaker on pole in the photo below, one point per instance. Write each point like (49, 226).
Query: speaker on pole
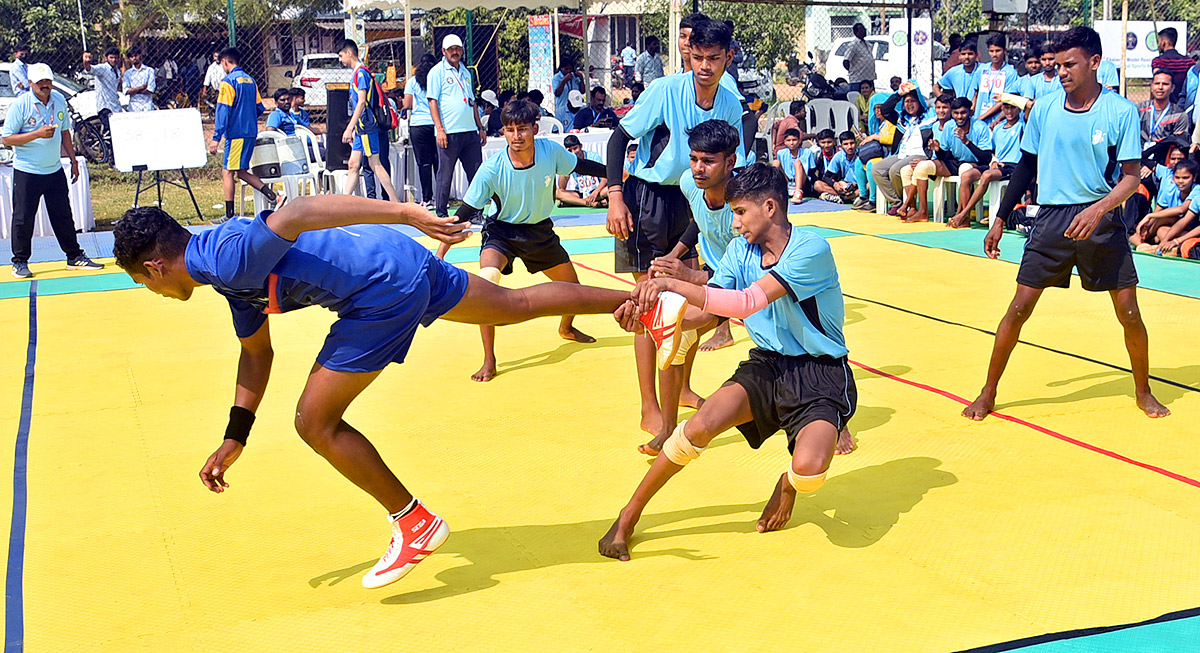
(337, 116)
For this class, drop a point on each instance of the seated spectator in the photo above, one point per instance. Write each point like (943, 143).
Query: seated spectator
(795, 163)
(596, 114)
(493, 125)
(794, 120)
(589, 191)
(1160, 117)
(966, 143)
(300, 115)
(1006, 137)
(630, 160)
(835, 180)
(1178, 197)
(863, 102)
(929, 166)
(281, 119)
(537, 97)
(635, 91)
(1153, 175)
(907, 142)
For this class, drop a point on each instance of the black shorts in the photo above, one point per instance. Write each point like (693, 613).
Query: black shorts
(535, 244)
(1104, 260)
(660, 216)
(1007, 170)
(790, 392)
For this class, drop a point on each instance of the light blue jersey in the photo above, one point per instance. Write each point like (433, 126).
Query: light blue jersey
(661, 119)
(586, 184)
(1079, 153)
(26, 114)
(808, 319)
(979, 134)
(454, 92)
(961, 82)
(788, 162)
(1007, 142)
(1040, 87)
(841, 166)
(1108, 75)
(1169, 196)
(993, 81)
(716, 226)
(727, 81)
(420, 107)
(562, 109)
(522, 196)
(283, 121)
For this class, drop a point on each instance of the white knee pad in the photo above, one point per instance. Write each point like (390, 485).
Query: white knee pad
(906, 175)
(924, 170)
(491, 274)
(805, 484)
(678, 449)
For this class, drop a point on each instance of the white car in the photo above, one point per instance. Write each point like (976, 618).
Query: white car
(82, 100)
(314, 71)
(884, 68)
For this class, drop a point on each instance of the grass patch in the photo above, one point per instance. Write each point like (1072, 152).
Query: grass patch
(112, 194)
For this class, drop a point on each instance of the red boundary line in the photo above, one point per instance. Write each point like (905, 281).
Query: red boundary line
(1008, 418)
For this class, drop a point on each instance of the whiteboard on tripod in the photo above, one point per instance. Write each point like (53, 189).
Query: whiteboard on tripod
(158, 140)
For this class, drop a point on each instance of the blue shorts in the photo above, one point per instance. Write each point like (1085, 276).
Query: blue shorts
(367, 341)
(368, 144)
(238, 152)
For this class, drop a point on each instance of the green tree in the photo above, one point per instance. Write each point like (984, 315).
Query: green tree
(769, 32)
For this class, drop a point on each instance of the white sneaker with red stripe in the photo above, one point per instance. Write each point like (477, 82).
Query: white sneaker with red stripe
(662, 324)
(414, 537)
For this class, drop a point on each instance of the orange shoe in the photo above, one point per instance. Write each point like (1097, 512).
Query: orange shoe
(414, 537)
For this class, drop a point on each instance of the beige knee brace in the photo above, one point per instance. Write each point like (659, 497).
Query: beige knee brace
(924, 170)
(906, 175)
(678, 449)
(805, 484)
(491, 274)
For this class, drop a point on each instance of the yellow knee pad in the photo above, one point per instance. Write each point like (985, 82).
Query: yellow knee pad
(678, 449)
(491, 274)
(805, 484)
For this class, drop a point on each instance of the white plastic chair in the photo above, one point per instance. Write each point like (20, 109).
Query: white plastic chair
(995, 194)
(548, 125)
(820, 114)
(852, 96)
(944, 190)
(312, 149)
(845, 116)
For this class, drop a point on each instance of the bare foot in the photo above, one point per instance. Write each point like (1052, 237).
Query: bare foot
(919, 216)
(485, 373)
(690, 399)
(982, 405)
(959, 221)
(845, 442)
(615, 543)
(1151, 406)
(779, 508)
(651, 421)
(720, 339)
(575, 334)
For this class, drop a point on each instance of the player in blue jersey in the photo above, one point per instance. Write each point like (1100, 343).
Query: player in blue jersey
(962, 80)
(519, 183)
(782, 281)
(281, 119)
(795, 162)
(340, 253)
(238, 107)
(995, 78)
(648, 213)
(589, 190)
(1072, 144)
(1006, 141)
(362, 131)
(835, 181)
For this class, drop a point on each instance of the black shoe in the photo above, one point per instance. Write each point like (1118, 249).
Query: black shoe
(20, 270)
(82, 262)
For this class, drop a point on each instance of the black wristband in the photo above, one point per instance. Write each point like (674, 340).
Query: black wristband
(240, 421)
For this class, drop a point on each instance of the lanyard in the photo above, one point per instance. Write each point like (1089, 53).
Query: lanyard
(1154, 123)
(47, 117)
(456, 75)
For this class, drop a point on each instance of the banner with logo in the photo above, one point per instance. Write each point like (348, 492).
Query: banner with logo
(922, 50)
(1139, 41)
(541, 57)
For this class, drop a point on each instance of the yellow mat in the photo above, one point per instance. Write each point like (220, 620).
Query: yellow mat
(936, 534)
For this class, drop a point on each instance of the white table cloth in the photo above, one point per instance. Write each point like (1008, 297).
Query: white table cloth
(81, 202)
(595, 140)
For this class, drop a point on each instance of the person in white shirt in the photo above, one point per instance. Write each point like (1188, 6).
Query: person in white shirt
(18, 74)
(860, 61)
(138, 82)
(628, 59)
(106, 77)
(212, 79)
(649, 65)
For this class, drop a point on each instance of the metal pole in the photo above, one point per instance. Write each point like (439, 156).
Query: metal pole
(470, 38)
(408, 64)
(1124, 30)
(82, 32)
(1107, 9)
(554, 40)
(230, 23)
(908, 41)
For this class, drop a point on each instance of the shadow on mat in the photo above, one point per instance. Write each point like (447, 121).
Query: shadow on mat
(1120, 384)
(855, 509)
(561, 353)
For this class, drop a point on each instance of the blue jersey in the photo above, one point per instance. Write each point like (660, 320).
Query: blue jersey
(978, 133)
(1108, 74)
(363, 81)
(788, 162)
(355, 271)
(238, 106)
(301, 118)
(282, 120)
(1007, 141)
(727, 81)
(806, 268)
(1039, 87)
(993, 81)
(586, 184)
(521, 196)
(841, 167)
(26, 114)
(961, 82)
(716, 225)
(1079, 153)
(661, 119)
(1169, 195)
(420, 107)
(454, 91)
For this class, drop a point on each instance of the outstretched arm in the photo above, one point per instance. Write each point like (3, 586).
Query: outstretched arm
(313, 212)
(254, 370)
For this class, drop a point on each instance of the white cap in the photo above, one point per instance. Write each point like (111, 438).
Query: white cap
(40, 72)
(451, 41)
(575, 100)
(489, 96)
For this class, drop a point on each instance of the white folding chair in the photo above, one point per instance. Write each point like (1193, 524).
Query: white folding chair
(549, 125)
(845, 116)
(944, 190)
(820, 114)
(312, 149)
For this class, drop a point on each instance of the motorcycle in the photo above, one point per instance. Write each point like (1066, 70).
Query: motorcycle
(92, 138)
